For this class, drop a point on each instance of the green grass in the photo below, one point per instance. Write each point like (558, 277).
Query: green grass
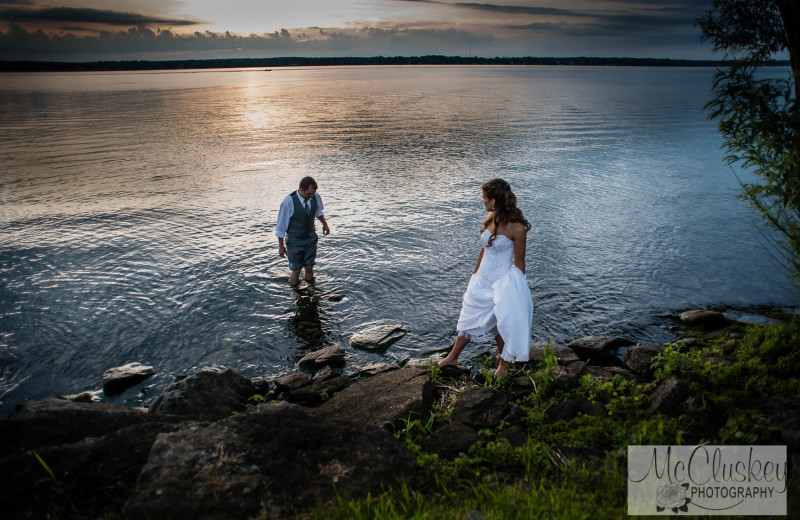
(576, 469)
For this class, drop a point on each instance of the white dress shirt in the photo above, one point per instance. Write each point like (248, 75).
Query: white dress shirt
(286, 211)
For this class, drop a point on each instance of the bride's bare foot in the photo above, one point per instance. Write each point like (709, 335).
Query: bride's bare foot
(447, 362)
(502, 370)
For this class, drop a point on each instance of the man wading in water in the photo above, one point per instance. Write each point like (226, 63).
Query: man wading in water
(296, 218)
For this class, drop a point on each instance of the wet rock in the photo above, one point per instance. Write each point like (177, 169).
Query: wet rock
(261, 385)
(275, 460)
(377, 338)
(667, 396)
(452, 439)
(599, 349)
(375, 369)
(515, 436)
(639, 358)
(95, 475)
(704, 319)
(84, 397)
(50, 422)
(322, 374)
(117, 380)
(480, 407)
(568, 410)
(208, 395)
(329, 356)
(387, 398)
(319, 391)
(292, 382)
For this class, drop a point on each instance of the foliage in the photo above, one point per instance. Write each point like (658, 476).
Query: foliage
(758, 117)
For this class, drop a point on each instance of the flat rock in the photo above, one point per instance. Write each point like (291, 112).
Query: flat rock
(375, 369)
(275, 460)
(329, 356)
(480, 407)
(292, 382)
(387, 398)
(599, 349)
(378, 337)
(704, 319)
(117, 380)
(208, 395)
(667, 396)
(639, 358)
(452, 439)
(568, 410)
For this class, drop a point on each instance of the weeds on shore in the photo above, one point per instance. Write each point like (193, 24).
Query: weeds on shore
(575, 469)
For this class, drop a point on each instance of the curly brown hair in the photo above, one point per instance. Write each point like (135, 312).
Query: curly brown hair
(505, 206)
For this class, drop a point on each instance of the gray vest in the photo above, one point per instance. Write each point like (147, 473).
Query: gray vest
(301, 225)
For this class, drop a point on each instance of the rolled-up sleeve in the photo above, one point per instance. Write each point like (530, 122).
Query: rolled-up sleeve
(319, 205)
(284, 214)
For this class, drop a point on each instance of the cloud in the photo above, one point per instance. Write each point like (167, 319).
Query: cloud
(87, 15)
(143, 43)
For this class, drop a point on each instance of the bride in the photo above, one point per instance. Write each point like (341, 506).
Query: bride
(498, 302)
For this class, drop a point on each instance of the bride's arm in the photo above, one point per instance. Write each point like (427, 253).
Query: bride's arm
(520, 243)
(478, 263)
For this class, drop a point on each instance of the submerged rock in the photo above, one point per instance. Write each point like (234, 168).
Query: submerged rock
(599, 349)
(274, 460)
(117, 380)
(379, 337)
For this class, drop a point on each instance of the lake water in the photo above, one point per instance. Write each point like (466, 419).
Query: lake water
(138, 212)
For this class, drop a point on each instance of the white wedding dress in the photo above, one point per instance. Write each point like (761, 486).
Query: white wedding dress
(498, 301)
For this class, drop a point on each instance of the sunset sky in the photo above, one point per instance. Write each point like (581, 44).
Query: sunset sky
(81, 30)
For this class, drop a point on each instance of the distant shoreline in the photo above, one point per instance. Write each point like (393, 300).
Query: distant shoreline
(56, 66)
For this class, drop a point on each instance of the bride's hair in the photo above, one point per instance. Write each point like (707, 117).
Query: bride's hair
(505, 206)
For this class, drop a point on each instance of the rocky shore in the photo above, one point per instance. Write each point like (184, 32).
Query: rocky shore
(218, 445)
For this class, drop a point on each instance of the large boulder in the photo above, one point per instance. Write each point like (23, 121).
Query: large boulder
(378, 337)
(91, 478)
(600, 349)
(387, 398)
(275, 460)
(117, 380)
(50, 422)
(480, 407)
(208, 395)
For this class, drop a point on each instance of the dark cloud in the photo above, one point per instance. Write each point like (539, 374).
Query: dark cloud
(16, 2)
(87, 15)
(143, 43)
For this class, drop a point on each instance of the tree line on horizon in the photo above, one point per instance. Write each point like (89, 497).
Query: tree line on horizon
(298, 61)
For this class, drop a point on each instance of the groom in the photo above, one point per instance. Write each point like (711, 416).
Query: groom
(296, 217)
